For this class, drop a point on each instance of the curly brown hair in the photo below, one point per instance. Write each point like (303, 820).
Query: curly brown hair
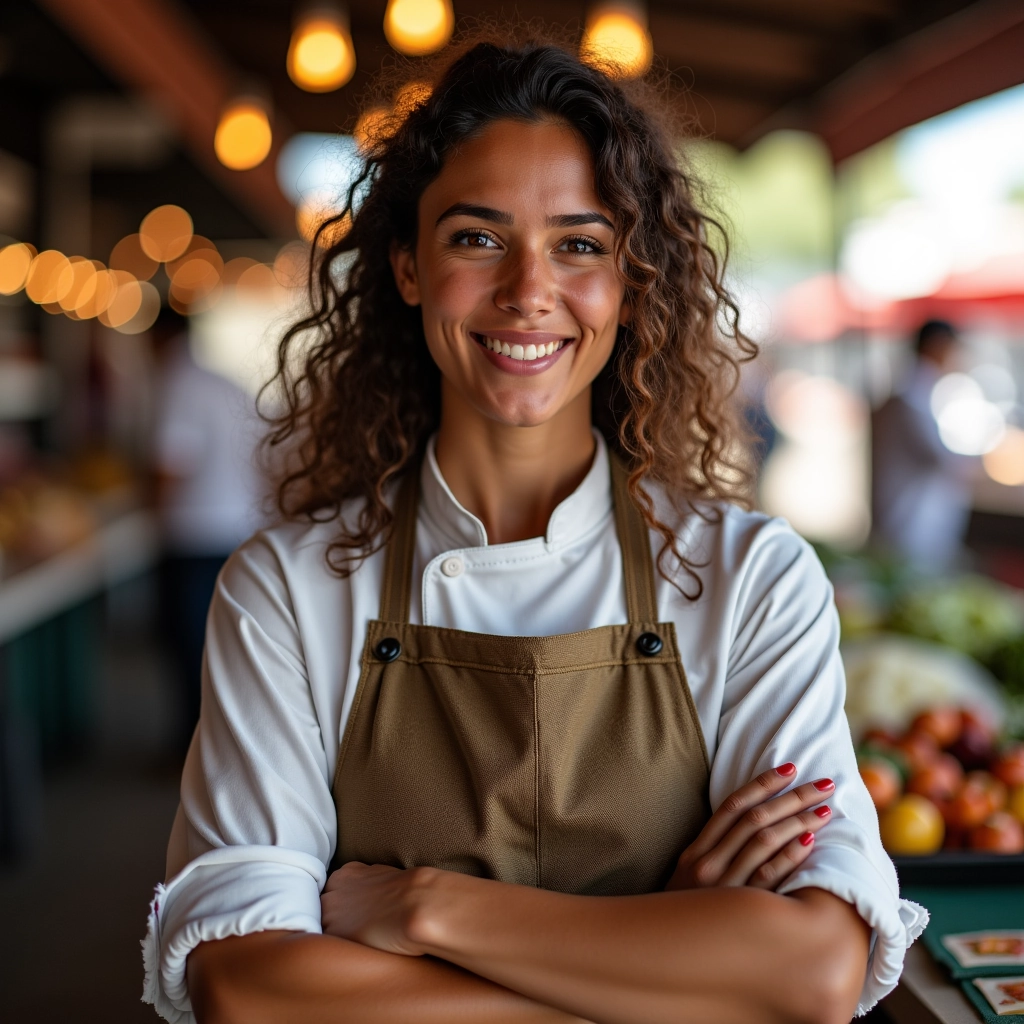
(361, 392)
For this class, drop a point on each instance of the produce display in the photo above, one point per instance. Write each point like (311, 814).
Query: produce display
(945, 782)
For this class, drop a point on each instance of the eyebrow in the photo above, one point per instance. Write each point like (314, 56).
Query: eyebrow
(564, 220)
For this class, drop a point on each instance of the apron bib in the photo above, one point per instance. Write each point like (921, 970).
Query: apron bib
(574, 763)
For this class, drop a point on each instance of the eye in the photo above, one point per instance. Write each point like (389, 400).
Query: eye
(582, 246)
(474, 239)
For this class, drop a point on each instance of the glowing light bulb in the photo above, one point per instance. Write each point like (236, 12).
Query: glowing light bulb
(243, 135)
(617, 41)
(321, 56)
(417, 27)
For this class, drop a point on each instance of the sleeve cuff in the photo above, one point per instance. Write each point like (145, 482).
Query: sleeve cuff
(896, 922)
(234, 890)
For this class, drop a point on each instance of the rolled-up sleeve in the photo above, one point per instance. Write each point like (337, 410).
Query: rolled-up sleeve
(783, 701)
(256, 827)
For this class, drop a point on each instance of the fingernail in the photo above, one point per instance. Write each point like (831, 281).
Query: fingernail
(786, 769)
(822, 784)
(823, 812)
(807, 838)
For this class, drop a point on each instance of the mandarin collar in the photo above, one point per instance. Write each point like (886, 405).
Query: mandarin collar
(573, 518)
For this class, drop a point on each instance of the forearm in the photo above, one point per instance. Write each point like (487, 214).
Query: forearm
(272, 977)
(731, 954)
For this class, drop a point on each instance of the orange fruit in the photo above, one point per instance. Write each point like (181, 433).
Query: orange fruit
(882, 781)
(1015, 804)
(912, 826)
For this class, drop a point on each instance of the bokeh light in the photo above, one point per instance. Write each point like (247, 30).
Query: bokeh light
(46, 280)
(145, 316)
(418, 27)
(83, 284)
(125, 301)
(165, 233)
(1005, 463)
(243, 136)
(234, 269)
(258, 278)
(616, 40)
(291, 265)
(103, 290)
(129, 255)
(15, 260)
(969, 424)
(321, 56)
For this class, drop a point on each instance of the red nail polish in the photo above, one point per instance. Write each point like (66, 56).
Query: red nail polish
(807, 838)
(823, 784)
(823, 812)
(786, 769)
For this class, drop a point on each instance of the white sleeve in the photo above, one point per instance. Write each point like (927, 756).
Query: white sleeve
(783, 701)
(256, 827)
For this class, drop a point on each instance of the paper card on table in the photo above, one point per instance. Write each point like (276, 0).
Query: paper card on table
(986, 949)
(1005, 995)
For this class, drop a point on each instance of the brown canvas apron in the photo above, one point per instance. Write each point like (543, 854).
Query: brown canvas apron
(574, 763)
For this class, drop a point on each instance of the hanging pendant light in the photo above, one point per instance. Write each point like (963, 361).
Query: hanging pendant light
(243, 136)
(321, 57)
(616, 40)
(418, 27)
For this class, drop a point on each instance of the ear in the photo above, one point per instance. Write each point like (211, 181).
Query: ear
(403, 266)
(625, 312)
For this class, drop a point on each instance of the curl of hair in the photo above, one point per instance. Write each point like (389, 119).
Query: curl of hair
(361, 393)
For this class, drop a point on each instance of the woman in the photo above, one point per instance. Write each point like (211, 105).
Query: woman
(449, 765)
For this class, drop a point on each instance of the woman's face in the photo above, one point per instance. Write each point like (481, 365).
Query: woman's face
(515, 272)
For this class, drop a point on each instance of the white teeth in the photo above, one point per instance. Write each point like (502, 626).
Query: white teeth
(523, 352)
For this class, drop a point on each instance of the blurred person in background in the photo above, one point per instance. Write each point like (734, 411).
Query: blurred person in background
(920, 490)
(209, 492)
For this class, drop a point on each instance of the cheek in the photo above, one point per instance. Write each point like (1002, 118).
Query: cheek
(595, 301)
(453, 291)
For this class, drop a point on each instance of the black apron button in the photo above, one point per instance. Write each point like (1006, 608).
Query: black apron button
(649, 644)
(389, 648)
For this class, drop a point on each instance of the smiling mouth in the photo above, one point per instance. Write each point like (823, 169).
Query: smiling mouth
(524, 353)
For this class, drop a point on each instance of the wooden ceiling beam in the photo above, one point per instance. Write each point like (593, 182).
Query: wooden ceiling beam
(725, 46)
(971, 54)
(153, 48)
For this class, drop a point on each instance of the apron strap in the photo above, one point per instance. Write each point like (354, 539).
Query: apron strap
(634, 539)
(397, 589)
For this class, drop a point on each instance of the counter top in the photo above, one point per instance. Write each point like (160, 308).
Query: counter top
(122, 548)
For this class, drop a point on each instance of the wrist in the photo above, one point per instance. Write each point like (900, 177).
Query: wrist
(431, 893)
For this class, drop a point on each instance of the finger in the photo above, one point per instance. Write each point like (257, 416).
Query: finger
(732, 808)
(761, 816)
(772, 874)
(768, 842)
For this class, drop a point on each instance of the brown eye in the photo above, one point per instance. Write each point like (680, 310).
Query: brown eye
(474, 240)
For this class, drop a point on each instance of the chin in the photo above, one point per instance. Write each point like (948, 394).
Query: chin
(522, 413)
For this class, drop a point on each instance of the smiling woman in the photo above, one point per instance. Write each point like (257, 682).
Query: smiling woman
(519, 716)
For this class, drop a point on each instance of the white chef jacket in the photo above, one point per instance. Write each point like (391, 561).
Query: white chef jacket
(256, 827)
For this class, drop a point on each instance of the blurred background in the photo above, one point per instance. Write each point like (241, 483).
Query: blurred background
(164, 165)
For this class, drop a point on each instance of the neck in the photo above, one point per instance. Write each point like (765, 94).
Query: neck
(512, 478)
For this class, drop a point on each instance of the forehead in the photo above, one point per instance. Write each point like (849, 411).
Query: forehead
(544, 166)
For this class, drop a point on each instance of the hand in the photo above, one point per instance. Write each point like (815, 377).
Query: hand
(756, 838)
(375, 905)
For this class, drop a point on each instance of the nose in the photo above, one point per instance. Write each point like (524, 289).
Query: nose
(528, 287)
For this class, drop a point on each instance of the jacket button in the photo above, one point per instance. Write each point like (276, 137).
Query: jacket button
(387, 649)
(649, 644)
(453, 566)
